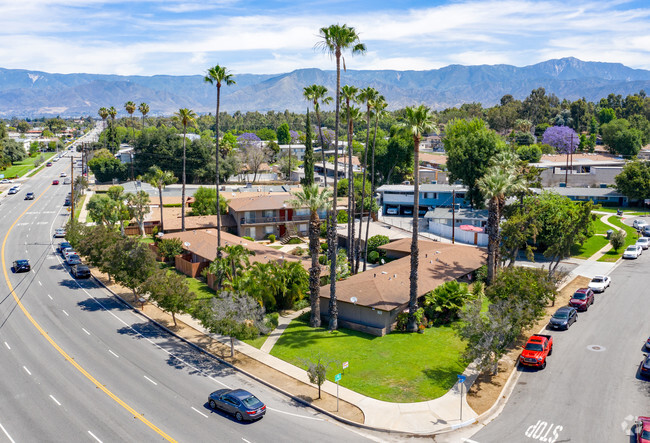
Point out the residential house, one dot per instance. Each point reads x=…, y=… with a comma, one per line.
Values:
x=601, y=195
x=586, y=169
x=468, y=224
x=371, y=301
x=398, y=199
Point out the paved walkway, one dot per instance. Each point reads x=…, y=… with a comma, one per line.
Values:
x=283, y=322
x=602, y=251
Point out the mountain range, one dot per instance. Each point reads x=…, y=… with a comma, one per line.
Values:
x=25, y=93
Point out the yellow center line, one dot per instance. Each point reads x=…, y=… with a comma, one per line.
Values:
x=57, y=347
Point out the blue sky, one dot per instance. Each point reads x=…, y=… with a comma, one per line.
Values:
x=185, y=37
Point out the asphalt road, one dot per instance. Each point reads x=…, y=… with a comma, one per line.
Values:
x=77, y=365
x=591, y=390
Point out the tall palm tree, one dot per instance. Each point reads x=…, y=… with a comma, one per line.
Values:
x=318, y=94
x=130, y=108
x=418, y=122
x=500, y=181
x=185, y=117
x=349, y=95
x=218, y=75
x=159, y=179
x=314, y=199
x=379, y=106
x=144, y=110
x=112, y=112
x=103, y=113
x=334, y=40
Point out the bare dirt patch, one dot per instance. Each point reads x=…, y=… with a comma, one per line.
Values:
x=305, y=392
x=486, y=389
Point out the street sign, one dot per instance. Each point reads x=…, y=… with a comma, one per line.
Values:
x=345, y=365
x=461, y=378
x=337, y=377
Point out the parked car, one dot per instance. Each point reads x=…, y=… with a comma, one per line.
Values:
x=66, y=181
x=644, y=242
x=639, y=223
x=5, y=181
x=73, y=259
x=13, y=191
x=582, y=299
x=56, y=182
x=563, y=318
x=21, y=266
x=645, y=366
x=238, y=402
x=633, y=251
x=599, y=283
x=59, y=233
x=63, y=174
x=63, y=245
x=646, y=231
x=642, y=429
x=67, y=251
x=538, y=347
x=389, y=211
x=647, y=344
x=67, y=202
x=29, y=196
x=80, y=271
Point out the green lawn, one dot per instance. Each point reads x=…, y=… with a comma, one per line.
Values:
x=398, y=367
x=18, y=169
x=630, y=239
x=592, y=245
x=599, y=227
x=201, y=289
x=80, y=204
x=257, y=342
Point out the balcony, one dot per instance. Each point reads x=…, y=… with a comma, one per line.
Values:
x=268, y=220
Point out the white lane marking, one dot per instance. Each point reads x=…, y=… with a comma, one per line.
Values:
x=51, y=296
x=465, y=440
x=151, y=379
x=295, y=415
x=84, y=329
x=7, y=345
x=199, y=412
x=114, y=353
x=41, y=223
x=243, y=437
x=93, y=435
x=27, y=370
x=5, y=431
x=65, y=312
x=55, y=400
x=41, y=284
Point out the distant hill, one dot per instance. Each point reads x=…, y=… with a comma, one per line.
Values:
x=32, y=93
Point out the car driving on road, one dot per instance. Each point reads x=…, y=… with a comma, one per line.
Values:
x=29, y=196
x=582, y=299
x=13, y=190
x=563, y=318
x=59, y=233
x=238, y=402
x=21, y=266
x=599, y=283
x=55, y=182
x=633, y=251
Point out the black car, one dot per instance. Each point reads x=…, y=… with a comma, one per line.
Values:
x=29, y=196
x=80, y=271
x=21, y=266
x=238, y=402
x=563, y=318
x=645, y=367
x=62, y=246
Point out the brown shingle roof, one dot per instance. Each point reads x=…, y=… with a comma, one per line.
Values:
x=387, y=287
x=173, y=219
x=261, y=202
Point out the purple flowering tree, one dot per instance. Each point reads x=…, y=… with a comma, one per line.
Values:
x=565, y=140
x=295, y=137
x=248, y=139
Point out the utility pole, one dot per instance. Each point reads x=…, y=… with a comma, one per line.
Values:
x=453, y=216
x=72, y=185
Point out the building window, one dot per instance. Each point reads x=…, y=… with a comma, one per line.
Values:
x=302, y=212
x=460, y=195
x=250, y=232
x=432, y=195
x=302, y=227
x=268, y=230
x=249, y=216
x=268, y=214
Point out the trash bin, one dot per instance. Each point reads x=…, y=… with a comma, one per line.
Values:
x=609, y=233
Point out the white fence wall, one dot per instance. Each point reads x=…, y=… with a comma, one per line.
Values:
x=477, y=238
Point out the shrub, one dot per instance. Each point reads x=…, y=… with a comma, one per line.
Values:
x=445, y=302
x=322, y=259
x=323, y=230
x=248, y=238
x=617, y=240
x=293, y=241
x=402, y=320
x=271, y=238
x=298, y=251
x=373, y=257
x=481, y=274
x=342, y=217
x=301, y=304
x=170, y=248
x=324, y=246
x=272, y=320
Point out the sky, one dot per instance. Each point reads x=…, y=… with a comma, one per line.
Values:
x=149, y=37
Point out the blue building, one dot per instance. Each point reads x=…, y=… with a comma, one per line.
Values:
x=398, y=199
x=602, y=195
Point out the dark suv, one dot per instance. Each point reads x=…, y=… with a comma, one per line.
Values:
x=21, y=266
x=80, y=271
x=582, y=299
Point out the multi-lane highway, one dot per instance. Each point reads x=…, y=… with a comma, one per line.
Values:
x=77, y=365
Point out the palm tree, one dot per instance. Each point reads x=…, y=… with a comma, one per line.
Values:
x=418, y=122
x=501, y=181
x=318, y=94
x=217, y=75
x=103, y=113
x=379, y=104
x=334, y=40
x=185, y=117
x=112, y=112
x=349, y=94
x=144, y=110
x=130, y=108
x=368, y=96
x=314, y=199
x=158, y=178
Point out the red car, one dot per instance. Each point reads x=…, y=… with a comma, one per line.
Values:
x=55, y=182
x=582, y=299
x=538, y=347
x=48, y=164
x=643, y=430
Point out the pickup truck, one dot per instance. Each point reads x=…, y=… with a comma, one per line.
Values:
x=538, y=347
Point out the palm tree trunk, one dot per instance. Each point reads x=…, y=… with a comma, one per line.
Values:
x=333, y=243
x=216, y=127
x=412, y=325
x=363, y=194
x=372, y=190
x=162, y=225
x=493, y=244
x=314, y=271
x=322, y=142
x=350, y=195
x=183, y=190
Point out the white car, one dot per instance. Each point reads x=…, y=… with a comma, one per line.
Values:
x=63, y=174
x=60, y=232
x=599, y=283
x=644, y=242
x=639, y=223
x=4, y=181
x=633, y=251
